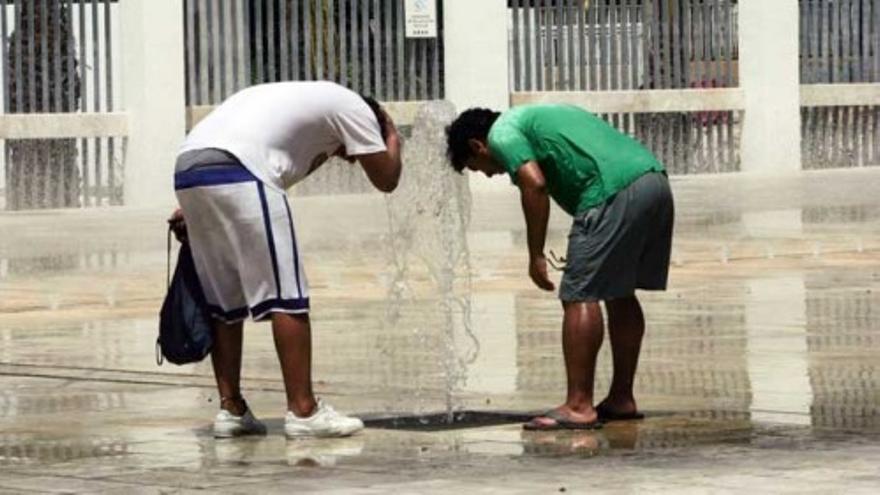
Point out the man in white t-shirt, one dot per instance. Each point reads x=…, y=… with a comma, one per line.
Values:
x=231, y=178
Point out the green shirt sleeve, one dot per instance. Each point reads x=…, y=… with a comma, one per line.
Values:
x=510, y=147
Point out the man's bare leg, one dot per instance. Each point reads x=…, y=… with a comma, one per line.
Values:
x=293, y=342
x=226, y=360
x=582, y=333
x=626, y=328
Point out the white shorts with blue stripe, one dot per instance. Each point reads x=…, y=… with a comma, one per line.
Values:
x=243, y=243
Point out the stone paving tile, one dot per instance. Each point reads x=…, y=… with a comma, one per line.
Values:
x=58, y=484
x=183, y=479
x=153, y=490
x=17, y=491
x=759, y=373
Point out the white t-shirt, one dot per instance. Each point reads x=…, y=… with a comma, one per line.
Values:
x=281, y=131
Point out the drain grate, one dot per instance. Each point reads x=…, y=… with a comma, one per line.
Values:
x=441, y=421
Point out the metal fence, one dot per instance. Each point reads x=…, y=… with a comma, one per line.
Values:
x=607, y=45
x=561, y=45
x=231, y=44
x=58, y=57
x=840, y=43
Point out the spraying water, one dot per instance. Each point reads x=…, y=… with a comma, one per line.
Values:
x=429, y=261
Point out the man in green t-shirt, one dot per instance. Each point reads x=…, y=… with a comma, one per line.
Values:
x=620, y=239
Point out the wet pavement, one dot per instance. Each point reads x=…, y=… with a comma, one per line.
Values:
x=760, y=369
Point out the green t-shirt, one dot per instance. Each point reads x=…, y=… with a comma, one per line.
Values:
x=585, y=161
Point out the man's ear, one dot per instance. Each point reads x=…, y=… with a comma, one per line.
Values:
x=477, y=147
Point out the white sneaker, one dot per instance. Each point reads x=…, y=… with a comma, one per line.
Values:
x=228, y=425
x=324, y=422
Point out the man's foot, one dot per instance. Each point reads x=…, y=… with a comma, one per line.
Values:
x=228, y=425
x=324, y=422
x=618, y=411
x=563, y=418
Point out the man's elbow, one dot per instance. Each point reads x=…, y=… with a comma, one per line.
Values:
x=534, y=188
x=389, y=185
x=392, y=180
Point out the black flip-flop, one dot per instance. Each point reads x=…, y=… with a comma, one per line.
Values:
x=560, y=422
x=606, y=414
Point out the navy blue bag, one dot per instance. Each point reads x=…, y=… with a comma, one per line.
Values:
x=186, y=334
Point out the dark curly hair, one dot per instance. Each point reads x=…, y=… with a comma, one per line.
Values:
x=473, y=123
x=377, y=111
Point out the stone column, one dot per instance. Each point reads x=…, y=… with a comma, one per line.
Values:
x=475, y=41
x=153, y=87
x=770, y=77
x=475, y=34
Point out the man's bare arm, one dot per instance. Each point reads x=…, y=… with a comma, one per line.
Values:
x=536, y=208
x=383, y=168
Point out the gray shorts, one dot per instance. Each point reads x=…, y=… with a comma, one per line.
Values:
x=622, y=245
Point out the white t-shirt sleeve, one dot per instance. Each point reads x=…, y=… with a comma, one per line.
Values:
x=358, y=129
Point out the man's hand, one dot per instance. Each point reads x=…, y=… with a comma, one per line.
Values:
x=538, y=273
x=178, y=225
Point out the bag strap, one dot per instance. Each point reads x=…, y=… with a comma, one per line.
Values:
x=168, y=261
x=159, y=357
